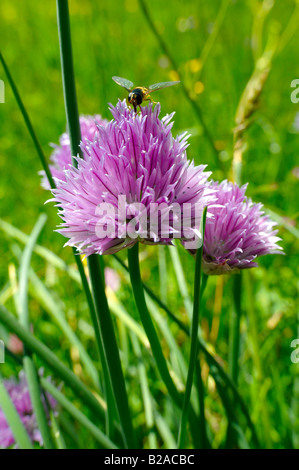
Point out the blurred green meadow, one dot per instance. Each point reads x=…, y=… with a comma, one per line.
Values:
x=213, y=47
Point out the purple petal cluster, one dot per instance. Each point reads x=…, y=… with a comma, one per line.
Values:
x=61, y=157
x=238, y=232
x=19, y=394
x=134, y=157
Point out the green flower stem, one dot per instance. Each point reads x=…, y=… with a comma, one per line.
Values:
x=13, y=419
x=111, y=414
x=28, y=362
x=233, y=356
x=68, y=77
x=156, y=299
x=151, y=333
x=137, y=287
x=72, y=116
x=194, y=340
x=111, y=350
x=234, y=329
x=41, y=350
x=28, y=122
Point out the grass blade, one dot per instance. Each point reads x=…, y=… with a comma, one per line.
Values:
x=43, y=252
x=45, y=298
x=146, y=395
x=28, y=362
x=78, y=415
x=41, y=350
x=27, y=122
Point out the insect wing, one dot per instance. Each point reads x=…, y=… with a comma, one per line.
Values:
x=159, y=86
x=124, y=83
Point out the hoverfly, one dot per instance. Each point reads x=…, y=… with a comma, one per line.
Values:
x=140, y=93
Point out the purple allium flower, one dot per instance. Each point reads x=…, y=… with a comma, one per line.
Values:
x=238, y=233
x=133, y=172
x=61, y=157
x=19, y=394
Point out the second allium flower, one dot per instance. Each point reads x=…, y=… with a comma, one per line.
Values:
x=134, y=161
x=238, y=232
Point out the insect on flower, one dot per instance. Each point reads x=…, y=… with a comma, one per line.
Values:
x=140, y=93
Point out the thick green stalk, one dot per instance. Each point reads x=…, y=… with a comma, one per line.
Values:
x=194, y=339
x=151, y=333
x=137, y=287
x=111, y=350
x=234, y=347
x=68, y=77
x=72, y=116
x=234, y=329
x=111, y=414
x=155, y=298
